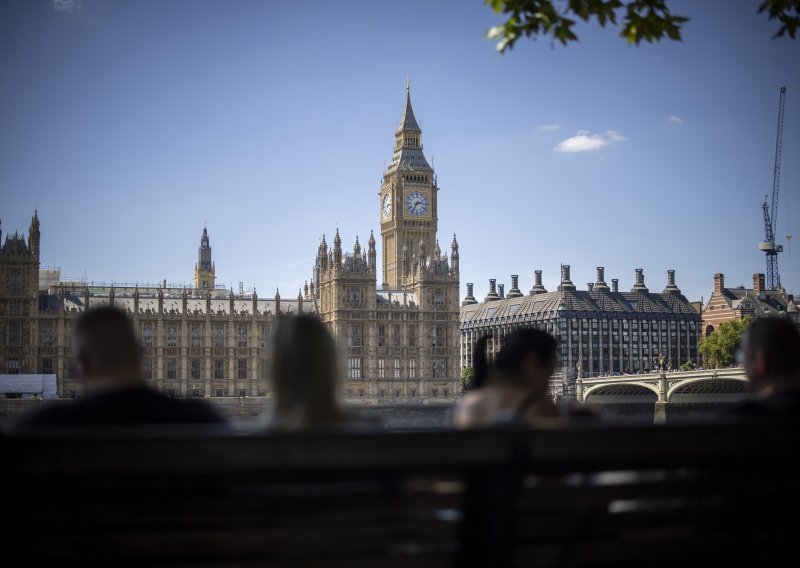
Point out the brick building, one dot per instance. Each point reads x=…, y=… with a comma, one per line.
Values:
x=727, y=304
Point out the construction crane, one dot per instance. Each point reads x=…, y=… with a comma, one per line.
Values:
x=771, y=214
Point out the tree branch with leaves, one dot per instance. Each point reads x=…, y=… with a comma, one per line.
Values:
x=640, y=20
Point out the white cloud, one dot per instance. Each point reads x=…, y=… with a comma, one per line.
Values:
x=581, y=143
x=614, y=136
x=548, y=127
x=675, y=119
x=584, y=141
x=67, y=5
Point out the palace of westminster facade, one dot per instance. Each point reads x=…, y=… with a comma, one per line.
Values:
x=399, y=339
x=403, y=339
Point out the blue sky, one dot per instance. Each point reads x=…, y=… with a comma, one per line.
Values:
x=127, y=124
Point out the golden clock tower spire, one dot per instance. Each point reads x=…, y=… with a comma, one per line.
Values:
x=407, y=199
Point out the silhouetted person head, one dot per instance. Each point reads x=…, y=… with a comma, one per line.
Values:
x=528, y=357
x=304, y=374
x=108, y=353
x=770, y=352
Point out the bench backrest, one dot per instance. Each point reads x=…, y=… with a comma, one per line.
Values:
x=561, y=497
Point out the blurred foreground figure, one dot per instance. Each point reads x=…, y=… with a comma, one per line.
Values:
x=109, y=364
x=305, y=374
x=515, y=388
x=770, y=354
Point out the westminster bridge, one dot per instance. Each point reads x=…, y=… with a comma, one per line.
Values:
x=681, y=394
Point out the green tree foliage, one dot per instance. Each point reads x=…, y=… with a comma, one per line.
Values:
x=719, y=348
x=688, y=366
x=466, y=378
x=640, y=20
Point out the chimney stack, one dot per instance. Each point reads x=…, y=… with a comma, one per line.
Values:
x=590, y=286
x=759, y=283
x=719, y=282
x=639, y=286
x=492, y=295
x=537, y=283
x=501, y=291
x=601, y=280
x=671, y=286
x=615, y=284
x=514, y=292
x=469, y=299
x=566, y=283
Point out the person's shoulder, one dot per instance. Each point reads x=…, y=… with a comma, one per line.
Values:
x=52, y=414
x=190, y=410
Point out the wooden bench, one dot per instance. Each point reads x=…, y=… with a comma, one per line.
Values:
x=634, y=496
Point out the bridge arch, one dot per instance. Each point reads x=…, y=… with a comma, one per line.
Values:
x=733, y=388
x=632, y=392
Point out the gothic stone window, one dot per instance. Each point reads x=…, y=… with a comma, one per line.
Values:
x=354, y=337
x=412, y=368
x=354, y=368
x=219, y=368
x=147, y=334
x=147, y=368
x=438, y=337
x=219, y=392
x=219, y=335
x=354, y=296
x=412, y=335
x=46, y=334
x=172, y=336
x=242, y=369
x=381, y=335
x=242, y=336
x=396, y=335
x=197, y=335
x=172, y=369
x=439, y=368
x=15, y=332
x=438, y=298
x=195, y=370
x=47, y=366
x=15, y=282
x=396, y=368
x=381, y=368
x=264, y=335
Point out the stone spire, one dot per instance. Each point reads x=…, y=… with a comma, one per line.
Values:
x=408, y=122
x=454, y=256
x=371, y=254
x=408, y=142
x=204, y=270
x=34, y=235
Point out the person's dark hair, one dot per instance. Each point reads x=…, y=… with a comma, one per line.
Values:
x=106, y=340
x=520, y=344
x=779, y=340
x=517, y=345
x=305, y=372
x=480, y=364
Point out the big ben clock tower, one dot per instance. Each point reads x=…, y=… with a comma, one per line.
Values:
x=408, y=207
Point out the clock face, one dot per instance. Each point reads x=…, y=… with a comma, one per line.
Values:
x=387, y=205
x=417, y=203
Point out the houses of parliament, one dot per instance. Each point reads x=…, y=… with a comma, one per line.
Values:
x=399, y=336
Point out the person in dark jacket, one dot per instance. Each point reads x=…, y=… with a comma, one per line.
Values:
x=114, y=392
x=770, y=355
